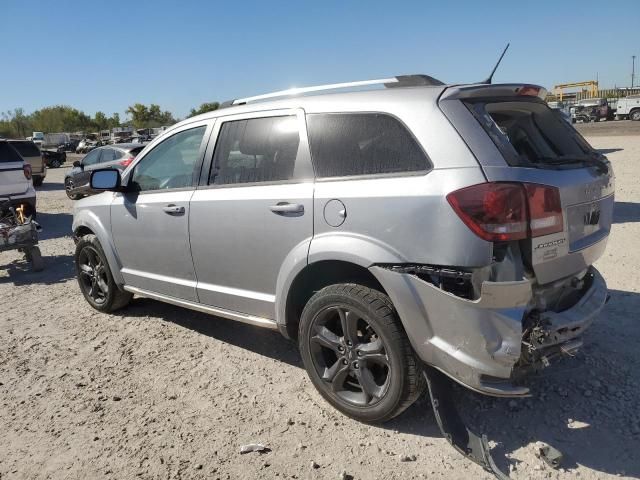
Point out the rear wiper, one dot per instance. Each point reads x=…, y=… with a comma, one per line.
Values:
x=591, y=161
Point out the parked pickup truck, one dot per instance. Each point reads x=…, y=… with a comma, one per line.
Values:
x=628, y=107
x=591, y=110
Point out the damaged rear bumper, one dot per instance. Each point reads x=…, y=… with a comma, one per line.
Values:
x=482, y=343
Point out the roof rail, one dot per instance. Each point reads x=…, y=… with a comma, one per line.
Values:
x=392, y=82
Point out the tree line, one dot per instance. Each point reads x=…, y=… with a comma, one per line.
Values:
x=63, y=118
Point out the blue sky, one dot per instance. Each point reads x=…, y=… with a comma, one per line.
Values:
x=106, y=55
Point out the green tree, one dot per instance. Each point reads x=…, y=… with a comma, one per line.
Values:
x=149, y=117
x=100, y=120
x=204, y=108
x=114, y=120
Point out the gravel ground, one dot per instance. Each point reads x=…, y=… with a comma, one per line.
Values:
x=161, y=392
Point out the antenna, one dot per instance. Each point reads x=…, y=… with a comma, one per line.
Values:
x=490, y=77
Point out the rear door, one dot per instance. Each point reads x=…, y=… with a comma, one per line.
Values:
x=253, y=210
x=525, y=142
x=12, y=179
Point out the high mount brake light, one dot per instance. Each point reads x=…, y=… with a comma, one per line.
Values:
x=529, y=90
x=126, y=162
x=503, y=211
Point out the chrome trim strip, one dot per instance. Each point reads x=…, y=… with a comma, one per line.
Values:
x=237, y=292
x=220, y=312
x=159, y=278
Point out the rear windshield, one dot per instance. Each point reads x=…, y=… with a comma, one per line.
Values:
x=528, y=132
x=8, y=153
x=26, y=149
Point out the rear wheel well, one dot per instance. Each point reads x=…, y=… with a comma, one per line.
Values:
x=315, y=277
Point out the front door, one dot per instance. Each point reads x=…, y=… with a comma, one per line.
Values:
x=150, y=224
x=253, y=211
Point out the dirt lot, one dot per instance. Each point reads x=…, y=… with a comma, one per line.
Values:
x=161, y=392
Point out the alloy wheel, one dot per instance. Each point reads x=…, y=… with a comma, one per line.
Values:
x=349, y=356
x=93, y=275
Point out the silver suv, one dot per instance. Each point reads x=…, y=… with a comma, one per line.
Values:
x=401, y=224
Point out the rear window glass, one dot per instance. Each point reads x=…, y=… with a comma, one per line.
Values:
x=26, y=149
x=528, y=133
x=8, y=153
x=135, y=151
x=362, y=144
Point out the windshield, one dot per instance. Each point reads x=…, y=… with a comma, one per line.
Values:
x=528, y=133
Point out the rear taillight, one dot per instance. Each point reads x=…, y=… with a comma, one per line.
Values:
x=45, y=160
x=502, y=212
x=126, y=162
x=26, y=169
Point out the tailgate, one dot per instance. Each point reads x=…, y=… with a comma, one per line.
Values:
x=12, y=179
x=516, y=137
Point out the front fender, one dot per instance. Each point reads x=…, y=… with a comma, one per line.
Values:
x=101, y=228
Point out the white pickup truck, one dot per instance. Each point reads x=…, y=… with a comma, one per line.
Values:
x=628, y=107
x=15, y=178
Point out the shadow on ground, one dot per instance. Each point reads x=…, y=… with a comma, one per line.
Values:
x=50, y=186
x=57, y=269
x=625, y=212
x=54, y=225
x=264, y=342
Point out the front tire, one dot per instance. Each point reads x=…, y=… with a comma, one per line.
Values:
x=55, y=163
x=68, y=187
x=635, y=115
x=357, y=354
x=95, y=278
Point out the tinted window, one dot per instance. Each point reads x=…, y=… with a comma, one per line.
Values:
x=135, y=151
x=362, y=144
x=26, y=149
x=256, y=150
x=171, y=163
x=8, y=153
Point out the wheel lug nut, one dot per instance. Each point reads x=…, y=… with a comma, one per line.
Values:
x=359, y=353
x=344, y=361
x=355, y=365
x=349, y=343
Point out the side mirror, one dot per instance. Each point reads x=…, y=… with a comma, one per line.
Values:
x=105, y=179
x=77, y=164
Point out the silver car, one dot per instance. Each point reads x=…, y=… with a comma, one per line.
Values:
x=402, y=224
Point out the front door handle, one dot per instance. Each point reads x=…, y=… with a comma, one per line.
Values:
x=285, y=208
x=172, y=209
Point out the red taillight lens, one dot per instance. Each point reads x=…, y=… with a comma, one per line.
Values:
x=502, y=212
x=545, y=210
x=26, y=169
x=126, y=162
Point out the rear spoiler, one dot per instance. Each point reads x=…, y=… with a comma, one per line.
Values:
x=482, y=90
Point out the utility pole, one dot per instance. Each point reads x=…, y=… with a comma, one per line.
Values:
x=633, y=69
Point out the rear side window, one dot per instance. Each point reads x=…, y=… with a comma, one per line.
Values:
x=26, y=149
x=256, y=150
x=108, y=155
x=8, y=153
x=362, y=144
x=135, y=151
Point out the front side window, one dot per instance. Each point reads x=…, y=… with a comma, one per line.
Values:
x=362, y=144
x=256, y=150
x=171, y=163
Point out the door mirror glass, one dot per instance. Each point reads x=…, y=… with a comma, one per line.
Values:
x=77, y=164
x=106, y=179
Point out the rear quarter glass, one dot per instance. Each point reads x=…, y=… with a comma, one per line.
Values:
x=8, y=153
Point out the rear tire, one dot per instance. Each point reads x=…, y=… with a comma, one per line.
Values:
x=55, y=163
x=95, y=278
x=357, y=354
x=37, y=181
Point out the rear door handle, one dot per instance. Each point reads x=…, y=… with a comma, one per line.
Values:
x=285, y=208
x=172, y=209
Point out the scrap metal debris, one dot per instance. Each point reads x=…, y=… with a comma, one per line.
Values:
x=254, y=447
x=550, y=455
